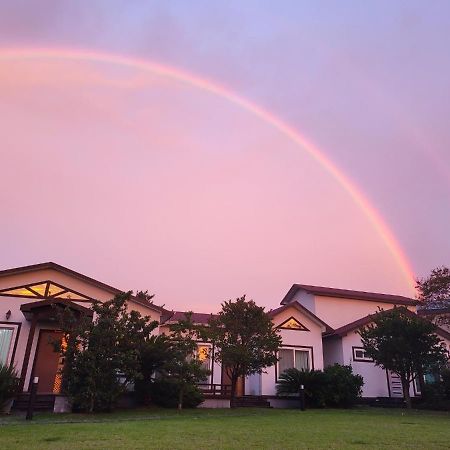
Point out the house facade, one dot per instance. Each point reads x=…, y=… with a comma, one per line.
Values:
x=29, y=298
x=318, y=326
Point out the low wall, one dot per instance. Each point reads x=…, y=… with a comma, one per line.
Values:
x=215, y=403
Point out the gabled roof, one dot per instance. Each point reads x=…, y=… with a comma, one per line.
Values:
x=433, y=312
x=170, y=317
x=274, y=312
x=77, y=275
x=346, y=293
x=29, y=307
x=363, y=321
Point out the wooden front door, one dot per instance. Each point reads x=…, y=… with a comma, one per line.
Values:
x=47, y=360
x=240, y=385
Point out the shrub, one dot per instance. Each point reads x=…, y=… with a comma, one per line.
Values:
x=335, y=386
x=164, y=392
x=343, y=387
x=313, y=381
x=436, y=395
x=9, y=383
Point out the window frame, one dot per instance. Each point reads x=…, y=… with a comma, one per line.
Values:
x=355, y=358
x=209, y=378
x=305, y=348
x=15, y=326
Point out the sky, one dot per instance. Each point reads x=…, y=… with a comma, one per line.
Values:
x=147, y=165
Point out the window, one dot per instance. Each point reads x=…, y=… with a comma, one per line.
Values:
x=292, y=324
x=294, y=358
x=6, y=335
x=359, y=354
x=203, y=354
x=44, y=289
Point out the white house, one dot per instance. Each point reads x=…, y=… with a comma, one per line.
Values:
x=345, y=312
x=318, y=327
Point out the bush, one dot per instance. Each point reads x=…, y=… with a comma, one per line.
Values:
x=343, y=387
x=336, y=386
x=436, y=395
x=9, y=384
x=164, y=392
x=313, y=381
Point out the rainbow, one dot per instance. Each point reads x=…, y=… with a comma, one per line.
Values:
x=358, y=197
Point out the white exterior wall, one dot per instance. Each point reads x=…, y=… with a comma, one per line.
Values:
x=253, y=384
x=13, y=304
x=332, y=351
x=375, y=380
x=337, y=312
x=307, y=340
x=305, y=299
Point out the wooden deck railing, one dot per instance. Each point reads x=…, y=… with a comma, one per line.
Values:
x=215, y=390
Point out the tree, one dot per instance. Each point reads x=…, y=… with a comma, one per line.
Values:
x=103, y=355
x=434, y=291
x=184, y=367
x=244, y=338
x=153, y=356
x=400, y=341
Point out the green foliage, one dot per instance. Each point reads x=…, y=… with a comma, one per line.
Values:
x=336, y=386
x=343, y=387
x=437, y=395
x=166, y=392
x=102, y=356
x=434, y=290
x=9, y=383
x=244, y=338
x=314, y=382
x=154, y=354
x=184, y=368
x=405, y=344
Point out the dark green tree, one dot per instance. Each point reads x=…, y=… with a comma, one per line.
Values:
x=434, y=292
x=405, y=344
x=184, y=367
x=154, y=355
x=103, y=355
x=244, y=338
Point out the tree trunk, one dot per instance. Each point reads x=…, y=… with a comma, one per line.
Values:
x=180, y=399
x=233, y=390
x=405, y=387
x=421, y=381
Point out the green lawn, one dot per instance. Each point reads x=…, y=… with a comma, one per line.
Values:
x=239, y=428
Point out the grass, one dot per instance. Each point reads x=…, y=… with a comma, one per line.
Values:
x=227, y=429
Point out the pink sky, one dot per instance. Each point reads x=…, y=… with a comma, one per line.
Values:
x=145, y=182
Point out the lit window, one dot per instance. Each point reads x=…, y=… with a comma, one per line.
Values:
x=203, y=354
x=292, y=324
x=43, y=290
x=359, y=354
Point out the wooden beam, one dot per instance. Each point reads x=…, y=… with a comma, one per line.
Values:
x=26, y=358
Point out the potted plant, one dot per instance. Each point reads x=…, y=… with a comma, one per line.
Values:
x=9, y=384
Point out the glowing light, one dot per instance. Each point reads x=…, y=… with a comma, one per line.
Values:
x=166, y=71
